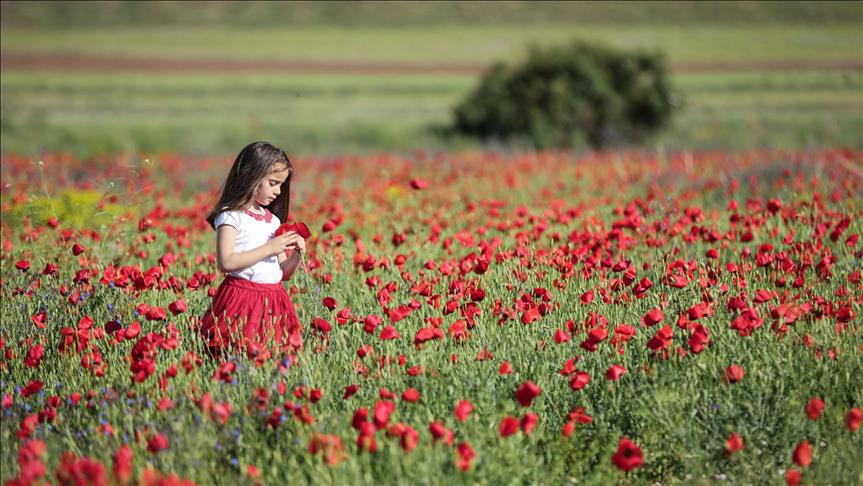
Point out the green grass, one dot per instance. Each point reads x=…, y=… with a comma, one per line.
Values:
x=421, y=14
x=91, y=112
x=87, y=113
x=481, y=44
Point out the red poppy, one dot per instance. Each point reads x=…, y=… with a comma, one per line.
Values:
x=75, y=470
x=814, y=408
x=328, y=445
x=350, y=390
x=508, y=426
x=383, y=410
x=530, y=315
x=399, y=313
x=32, y=388
x=568, y=367
x=615, y=372
x=560, y=336
x=321, y=325
x=40, y=319
x=802, y=455
x=528, y=422
x=389, y=333
x=34, y=356
x=343, y=316
x=27, y=426
x=653, y=317
x=628, y=455
x=463, y=410
x=505, y=368
x=733, y=444
x=579, y=380
x=157, y=443
x=853, y=419
x=661, y=339
x=408, y=439
x=733, y=374
x=371, y=322
x=440, y=433
x=132, y=331
x=361, y=415
x=299, y=228
x=466, y=455
x=178, y=307
x=793, y=477
x=123, y=464
x=330, y=303
x=579, y=415
x=156, y=314
x=526, y=392
x=411, y=395
x=419, y=184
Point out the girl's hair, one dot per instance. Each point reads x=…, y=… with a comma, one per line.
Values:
x=253, y=163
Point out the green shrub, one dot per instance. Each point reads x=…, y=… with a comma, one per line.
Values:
x=561, y=96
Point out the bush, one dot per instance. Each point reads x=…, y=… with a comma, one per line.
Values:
x=563, y=95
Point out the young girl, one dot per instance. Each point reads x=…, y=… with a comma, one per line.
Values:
x=251, y=307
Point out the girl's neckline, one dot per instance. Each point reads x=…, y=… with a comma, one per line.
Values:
x=266, y=217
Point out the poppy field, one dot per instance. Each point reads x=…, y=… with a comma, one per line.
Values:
x=468, y=317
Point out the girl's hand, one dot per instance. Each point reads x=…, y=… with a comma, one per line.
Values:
x=279, y=244
x=297, y=242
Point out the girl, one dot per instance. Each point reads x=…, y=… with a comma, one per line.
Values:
x=251, y=307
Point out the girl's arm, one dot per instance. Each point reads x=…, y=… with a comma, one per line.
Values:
x=289, y=264
x=229, y=261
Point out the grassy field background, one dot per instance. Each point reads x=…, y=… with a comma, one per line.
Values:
x=762, y=80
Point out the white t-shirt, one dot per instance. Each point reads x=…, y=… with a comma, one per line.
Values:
x=252, y=232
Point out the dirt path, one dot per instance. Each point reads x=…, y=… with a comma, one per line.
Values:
x=16, y=61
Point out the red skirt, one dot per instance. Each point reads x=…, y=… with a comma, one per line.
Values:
x=245, y=312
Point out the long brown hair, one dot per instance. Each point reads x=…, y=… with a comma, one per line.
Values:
x=252, y=164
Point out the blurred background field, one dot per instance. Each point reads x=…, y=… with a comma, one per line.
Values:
x=336, y=77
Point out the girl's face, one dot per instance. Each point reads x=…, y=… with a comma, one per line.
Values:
x=271, y=185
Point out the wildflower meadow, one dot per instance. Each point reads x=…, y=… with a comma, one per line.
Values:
x=469, y=317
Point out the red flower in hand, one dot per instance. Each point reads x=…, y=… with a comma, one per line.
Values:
x=299, y=228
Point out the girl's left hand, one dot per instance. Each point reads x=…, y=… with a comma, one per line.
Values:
x=296, y=242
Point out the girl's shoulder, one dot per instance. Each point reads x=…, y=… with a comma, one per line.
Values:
x=229, y=217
